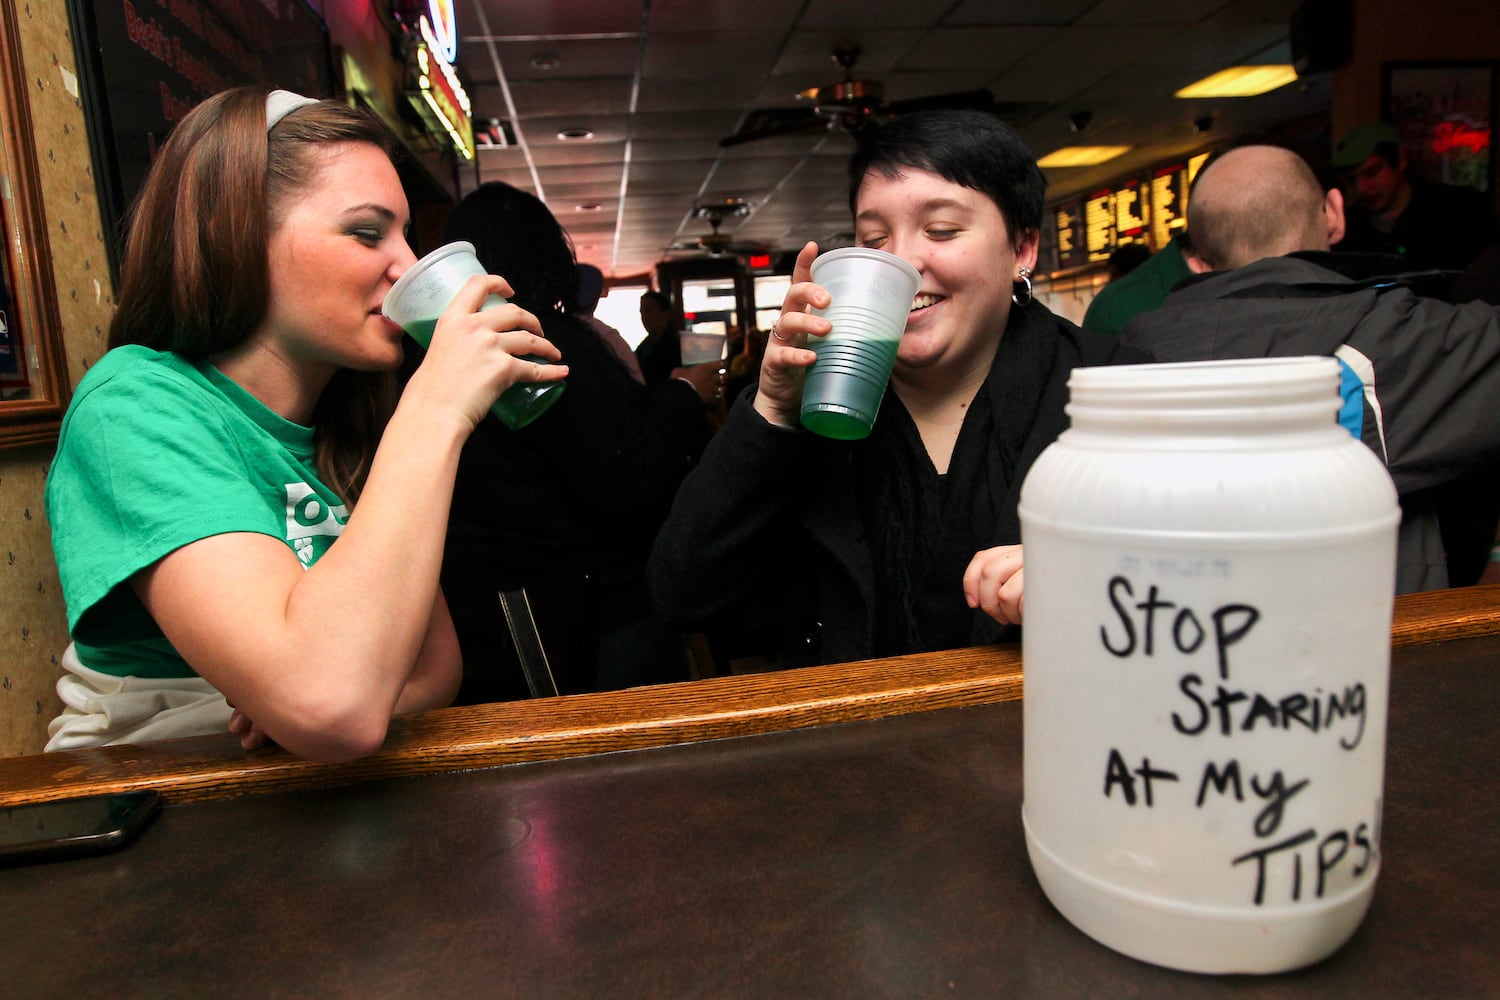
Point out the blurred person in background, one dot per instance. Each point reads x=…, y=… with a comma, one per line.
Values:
x=1144, y=287
x=590, y=287
x=566, y=507
x=1428, y=224
x=660, y=354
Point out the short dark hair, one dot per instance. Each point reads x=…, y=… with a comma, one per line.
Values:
x=1128, y=257
x=1390, y=152
x=589, y=288
x=970, y=148
x=517, y=237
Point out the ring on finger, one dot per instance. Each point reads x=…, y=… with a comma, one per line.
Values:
x=784, y=340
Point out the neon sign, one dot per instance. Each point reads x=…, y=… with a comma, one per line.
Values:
x=1448, y=136
x=433, y=88
x=444, y=29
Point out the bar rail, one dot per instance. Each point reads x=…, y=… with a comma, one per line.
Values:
x=477, y=736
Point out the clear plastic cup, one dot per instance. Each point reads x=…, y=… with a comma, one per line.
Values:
x=421, y=294
x=701, y=348
x=870, y=293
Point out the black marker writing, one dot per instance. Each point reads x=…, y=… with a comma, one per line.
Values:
x=1231, y=623
x=1244, y=711
x=1118, y=773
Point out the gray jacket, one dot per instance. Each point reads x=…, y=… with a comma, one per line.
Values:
x=1421, y=377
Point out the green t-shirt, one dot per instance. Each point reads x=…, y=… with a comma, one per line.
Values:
x=157, y=452
x=1141, y=290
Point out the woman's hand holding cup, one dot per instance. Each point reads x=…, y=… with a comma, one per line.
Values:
x=477, y=350
x=778, y=395
x=448, y=289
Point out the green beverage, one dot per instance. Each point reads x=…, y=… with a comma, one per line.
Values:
x=521, y=403
x=870, y=293
x=419, y=297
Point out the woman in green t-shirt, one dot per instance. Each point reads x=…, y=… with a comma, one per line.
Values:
x=243, y=421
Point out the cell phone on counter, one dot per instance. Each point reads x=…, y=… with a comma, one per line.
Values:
x=44, y=831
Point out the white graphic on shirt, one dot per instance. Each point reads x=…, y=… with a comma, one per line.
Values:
x=307, y=516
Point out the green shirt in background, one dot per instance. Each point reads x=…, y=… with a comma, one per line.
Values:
x=1144, y=288
x=157, y=452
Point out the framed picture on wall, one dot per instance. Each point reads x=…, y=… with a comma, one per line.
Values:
x=142, y=66
x=1445, y=112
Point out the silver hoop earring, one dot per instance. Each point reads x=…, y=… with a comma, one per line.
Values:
x=1021, y=293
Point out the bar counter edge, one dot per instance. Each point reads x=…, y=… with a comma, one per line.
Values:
x=477, y=736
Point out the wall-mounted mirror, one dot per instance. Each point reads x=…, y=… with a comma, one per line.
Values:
x=33, y=373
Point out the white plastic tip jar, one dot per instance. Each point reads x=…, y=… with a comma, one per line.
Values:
x=1210, y=566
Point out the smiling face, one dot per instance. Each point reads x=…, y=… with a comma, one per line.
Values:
x=957, y=240
x=336, y=248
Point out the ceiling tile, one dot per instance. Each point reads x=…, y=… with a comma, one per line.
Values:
x=1015, y=12
x=841, y=15
x=552, y=17
x=720, y=15
x=574, y=98
x=555, y=59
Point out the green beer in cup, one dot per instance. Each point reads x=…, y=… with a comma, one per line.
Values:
x=870, y=293
x=419, y=297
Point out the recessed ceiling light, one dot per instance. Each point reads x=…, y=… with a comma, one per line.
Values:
x=545, y=61
x=1081, y=156
x=575, y=134
x=1240, y=81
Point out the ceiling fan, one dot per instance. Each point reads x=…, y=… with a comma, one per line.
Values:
x=853, y=104
x=715, y=243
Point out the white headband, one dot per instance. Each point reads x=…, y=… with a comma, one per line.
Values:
x=280, y=103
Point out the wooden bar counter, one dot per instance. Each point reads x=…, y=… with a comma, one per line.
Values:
x=851, y=830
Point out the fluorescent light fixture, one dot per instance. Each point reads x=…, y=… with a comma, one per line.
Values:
x=1081, y=156
x=1241, y=81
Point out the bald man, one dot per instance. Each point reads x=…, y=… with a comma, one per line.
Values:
x=1420, y=376
x=1259, y=201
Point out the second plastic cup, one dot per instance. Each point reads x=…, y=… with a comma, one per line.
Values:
x=701, y=348
x=871, y=293
x=419, y=297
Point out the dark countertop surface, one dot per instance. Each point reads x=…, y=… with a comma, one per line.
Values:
x=878, y=858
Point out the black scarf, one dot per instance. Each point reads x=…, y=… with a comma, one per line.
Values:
x=924, y=529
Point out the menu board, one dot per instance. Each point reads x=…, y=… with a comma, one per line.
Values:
x=1099, y=225
x=145, y=63
x=1168, y=203
x=1132, y=210
x=1147, y=210
x=1069, y=228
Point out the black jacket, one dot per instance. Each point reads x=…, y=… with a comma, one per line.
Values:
x=1443, y=227
x=566, y=507
x=768, y=528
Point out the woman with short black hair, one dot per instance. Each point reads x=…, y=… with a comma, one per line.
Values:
x=908, y=540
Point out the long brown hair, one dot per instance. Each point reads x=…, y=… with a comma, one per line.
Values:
x=196, y=277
